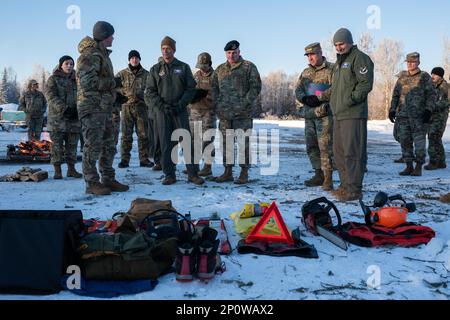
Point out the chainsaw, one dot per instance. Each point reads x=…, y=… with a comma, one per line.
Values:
x=386, y=211
x=317, y=220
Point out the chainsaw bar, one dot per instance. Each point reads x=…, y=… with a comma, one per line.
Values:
x=332, y=237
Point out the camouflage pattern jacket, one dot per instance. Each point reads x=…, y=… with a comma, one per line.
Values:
x=442, y=97
x=316, y=81
x=204, y=82
x=33, y=104
x=133, y=86
x=413, y=94
x=95, y=78
x=235, y=90
x=61, y=93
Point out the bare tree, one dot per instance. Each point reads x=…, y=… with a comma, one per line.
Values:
x=446, y=54
x=277, y=96
x=40, y=75
x=365, y=43
x=387, y=58
x=328, y=48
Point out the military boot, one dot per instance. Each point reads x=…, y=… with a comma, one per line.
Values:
x=316, y=180
x=417, y=170
x=169, y=180
x=72, y=172
x=58, y=173
x=206, y=171
x=441, y=165
x=399, y=160
x=196, y=180
x=116, y=186
x=445, y=198
x=243, y=177
x=328, y=181
x=408, y=170
x=157, y=167
x=338, y=191
x=98, y=189
x=227, y=176
x=431, y=166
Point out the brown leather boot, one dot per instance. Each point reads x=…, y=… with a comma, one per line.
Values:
x=72, y=172
x=328, y=181
x=206, y=171
x=431, y=166
x=243, y=177
x=196, y=180
x=98, y=189
x=445, y=198
x=408, y=170
x=417, y=170
x=169, y=180
x=116, y=186
x=227, y=176
x=58, y=173
x=316, y=180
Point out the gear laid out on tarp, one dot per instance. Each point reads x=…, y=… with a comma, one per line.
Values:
x=406, y=235
x=317, y=219
x=279, y=245
x=386, y=224
x=247, y=218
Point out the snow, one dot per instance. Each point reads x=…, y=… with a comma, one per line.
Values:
x=9, y=107
x=405, y=273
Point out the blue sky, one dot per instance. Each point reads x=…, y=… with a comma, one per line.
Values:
x=273, y=34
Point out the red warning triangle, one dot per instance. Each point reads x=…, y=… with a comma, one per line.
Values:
x=256, y=235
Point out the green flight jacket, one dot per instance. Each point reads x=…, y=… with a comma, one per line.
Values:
x=352, y=82
x=170, y=85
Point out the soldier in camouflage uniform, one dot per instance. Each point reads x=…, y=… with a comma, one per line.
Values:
x=438, y=121
x=412, y=105
x=201, y=110
x=313, y=91
x=236, y=87
x=135, y=111
x=96, y=85
x=34, y=104
x=63, y=123
x=169, y=90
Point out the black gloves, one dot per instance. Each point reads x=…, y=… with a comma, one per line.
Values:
x=199, y=95
x=120, y=98
x=392, y=115
x=426, y=116
x=118, y=81
x=71, y=114
x=311, y=101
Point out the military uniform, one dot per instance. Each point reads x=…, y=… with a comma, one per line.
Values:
x=134, y=113
x=95, y=80
x=201, y=112
x=63, y=123
x=169, y=90
x=352, y=82
x=316, y=81
x=412, y=97
x=234, y=91
x=34, y=104
x=438, y=124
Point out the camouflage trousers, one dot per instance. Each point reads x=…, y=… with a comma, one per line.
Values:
x=200, y=122
x=35, y=126
x=154, y=145
x=244, y=159
x=64, y=146
x=98, y=134
x=395, y=132
x=319, y=142
x=116, y=126
x=134, y=117
x=436, y=131
x=412, y=136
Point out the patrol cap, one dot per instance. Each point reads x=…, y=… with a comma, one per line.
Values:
x=313, y=48
x=412, y=56
x=232, y=45
x=204, y=60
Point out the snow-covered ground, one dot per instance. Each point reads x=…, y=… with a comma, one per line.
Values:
x=406, y=273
